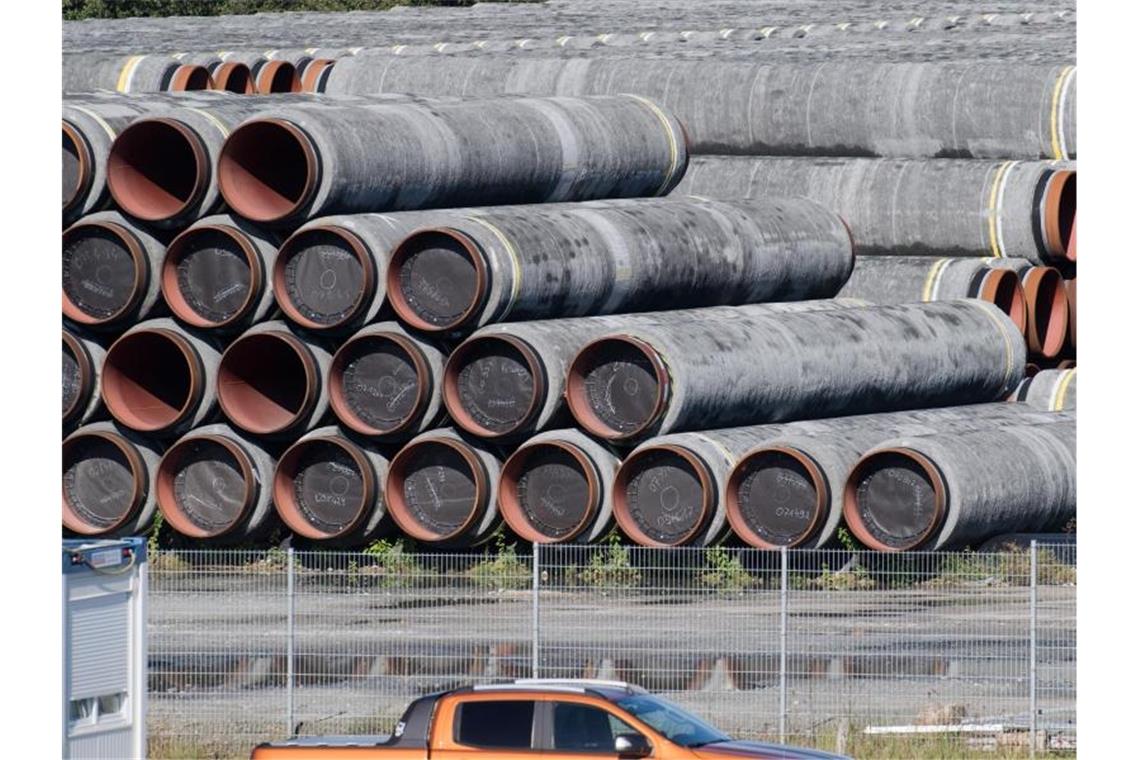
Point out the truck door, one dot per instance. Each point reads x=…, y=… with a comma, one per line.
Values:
x=500, y=728
x=579, y=731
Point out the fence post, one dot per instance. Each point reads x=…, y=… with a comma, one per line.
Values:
x=783, y=644
x=289, y=631
x=534, y=581
x=1033, y=648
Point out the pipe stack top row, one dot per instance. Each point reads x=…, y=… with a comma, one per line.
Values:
x=460, y=292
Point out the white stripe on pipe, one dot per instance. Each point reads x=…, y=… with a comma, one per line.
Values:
x=98, y=120
x=1061, y=113
x=998, y=208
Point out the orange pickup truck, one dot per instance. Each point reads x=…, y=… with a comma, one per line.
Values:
x=532, y=719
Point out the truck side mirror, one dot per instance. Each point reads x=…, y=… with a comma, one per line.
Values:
x=632, y=745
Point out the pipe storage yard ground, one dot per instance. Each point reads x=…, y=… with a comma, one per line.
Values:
x=768, y=302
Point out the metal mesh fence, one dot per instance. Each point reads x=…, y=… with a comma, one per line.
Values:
x=822, y=648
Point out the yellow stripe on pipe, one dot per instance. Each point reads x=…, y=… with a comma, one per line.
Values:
x=1055, y=114
x=127, y=72
x=516, y=264
x=932, y=276
x=674, y=150
x=985, y=307
x=993, y=208
x=212, y=119
x=1063, y=389
x=98, y=120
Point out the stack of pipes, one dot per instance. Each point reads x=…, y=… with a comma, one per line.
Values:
x=451, y=295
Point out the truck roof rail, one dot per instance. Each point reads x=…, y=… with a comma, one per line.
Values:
x=574, y=682
x=513, y=686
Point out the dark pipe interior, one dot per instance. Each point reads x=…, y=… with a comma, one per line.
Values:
x=153, y=170
x=237, y=79
x=263, y=171
x=146, y=381
x=262, y=384
x=71, y=160
x=1068, y=209
x=284, y=79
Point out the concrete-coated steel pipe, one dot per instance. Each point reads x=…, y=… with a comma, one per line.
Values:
x=272, y=381
x=509, y=380
x=226, y=76
x=556, y=488
x=1046, y=305
x=329, y=487
x=386, y=383
x=915, y=208
x=87, y=72
x=1052, y=389
x=108, y=481
x=216, y=274
x=160, y=378
x=110, y=271
x=292, y=164
x=213, y=483
x=961, y=110
x=268, y=76
x=529, y=262
x=82, y=367
x=442, y=489
x=670, y=376
x=910, y=279
x=946, y=491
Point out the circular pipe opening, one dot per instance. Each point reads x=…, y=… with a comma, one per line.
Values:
x=437, y=280
x=268, y=170
x=189, y=77
x=1031, y=369
x=157, y=169
x=379, y=384
x=233, y=77
x=494, y=385
x=77, y=162
x=1048, y=311
x=152, y=379
x=436, y=489
x=315, y=72
x=105, y=271
x=205, y=486
x=1071, y=296
x=549, y=491
x=776, y=496
x=104, y=482
x=323, y=486
x=617, y=387
x=267, y=382
x=663, y=495
x=1002, y=288
x=322, y=277
x=1060, y=215
x=278, y=76
x=211, y=276
x=894, y=500
x=78, y=376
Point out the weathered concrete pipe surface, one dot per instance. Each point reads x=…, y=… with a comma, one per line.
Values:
x=909, y=279
x=214, y=483
x=442, y=489
x=508, y=380
x=556, y=488
x=82, y=367
x=225, y=76
x=272, y=380
x=110, y=271
x=777, y=484
x=1046, y=305
x=386, y=383
x=670, y=376
x=912, y=207
x=162, y=167
x=160, y=378
x=108, y=481
x=946, y=491
x=310, y=160
x=1051, y=389
x=87, y=72
x=216, y=274
x=329, y=275
x=329, y=487
x=268, y=76
x=563, y=260
x=959, y=110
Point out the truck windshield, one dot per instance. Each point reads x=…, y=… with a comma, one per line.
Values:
x=671, y=721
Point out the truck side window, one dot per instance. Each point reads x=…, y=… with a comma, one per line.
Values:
x=582, y=727
x=503, y=724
